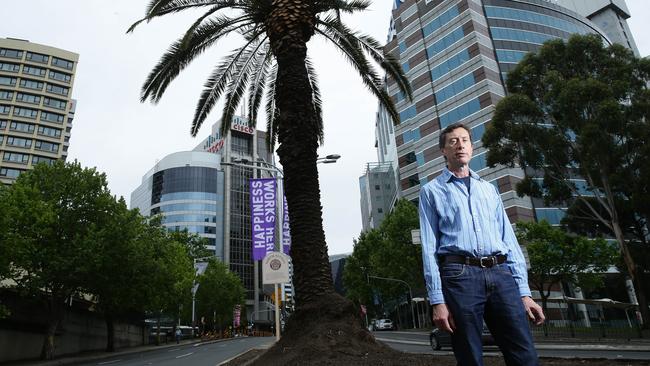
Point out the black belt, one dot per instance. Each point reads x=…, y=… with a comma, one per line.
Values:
x=483, y=262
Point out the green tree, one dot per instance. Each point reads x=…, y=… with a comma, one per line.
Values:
x=53, y=212
x=273, y=61
x=556, y=257
x=576, y=117
x=5, y=256
x=219, y=291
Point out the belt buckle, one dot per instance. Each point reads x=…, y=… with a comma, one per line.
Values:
x=490, y=264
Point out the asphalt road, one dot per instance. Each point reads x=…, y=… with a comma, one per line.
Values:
x=198, y=354
x=419, y=343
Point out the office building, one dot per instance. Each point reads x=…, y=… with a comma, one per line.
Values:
x=378, y=191
x=36, y=105
x=456, y=55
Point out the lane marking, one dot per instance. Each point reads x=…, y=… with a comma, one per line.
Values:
x=107, y=362
x=174, y=350
x=185, y=355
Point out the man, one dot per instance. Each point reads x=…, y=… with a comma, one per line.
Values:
x=473, y=265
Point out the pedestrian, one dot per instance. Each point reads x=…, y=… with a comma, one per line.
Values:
x=179, y=334
x=473, y=266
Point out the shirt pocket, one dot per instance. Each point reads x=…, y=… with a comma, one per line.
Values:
x=450, y=213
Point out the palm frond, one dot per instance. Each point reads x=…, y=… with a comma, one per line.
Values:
x=316, y=100
x=341, y=6
x=387, y=62
x=214, y=87
x=272, y=112
x=190, y=31
x=258, y=83
x=179, y=56
x=158, y=8
x=238, y=84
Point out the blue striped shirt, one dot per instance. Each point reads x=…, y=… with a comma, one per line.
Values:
x=474, y=223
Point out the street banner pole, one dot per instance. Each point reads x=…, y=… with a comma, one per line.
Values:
x=277, y=312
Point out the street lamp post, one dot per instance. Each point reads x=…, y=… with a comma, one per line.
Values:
x=407, y=285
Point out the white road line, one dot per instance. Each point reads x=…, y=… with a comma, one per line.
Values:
x=185, y=355
x=174, y=350
x=107, y=362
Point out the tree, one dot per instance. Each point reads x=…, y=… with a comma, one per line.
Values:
x=556, y=257
x=5, y=256
x=219, y=291
x=575, y=119
x=274, y=60
x=52, y=213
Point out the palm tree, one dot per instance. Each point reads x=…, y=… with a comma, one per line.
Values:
x=273, y=62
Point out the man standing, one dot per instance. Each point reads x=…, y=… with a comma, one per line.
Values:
x=473, y=265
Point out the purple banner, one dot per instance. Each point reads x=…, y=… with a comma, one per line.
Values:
x=263, y=202
x=286, y=233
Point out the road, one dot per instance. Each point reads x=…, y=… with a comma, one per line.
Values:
x=198, y=354
x=418, y=342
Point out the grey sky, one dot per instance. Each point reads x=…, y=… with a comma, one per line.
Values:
x=122, y=137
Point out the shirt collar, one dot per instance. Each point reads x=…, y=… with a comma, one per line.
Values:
x=447, y=175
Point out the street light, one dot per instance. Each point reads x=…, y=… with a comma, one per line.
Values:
x=407, y=285
x=329, y=159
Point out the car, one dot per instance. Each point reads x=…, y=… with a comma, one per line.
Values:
x=440, y=338
x=383, y=324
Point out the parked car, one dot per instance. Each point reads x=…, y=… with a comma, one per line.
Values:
x=439, y=338
x=384, y=324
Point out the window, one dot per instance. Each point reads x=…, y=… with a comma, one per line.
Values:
x=440, y=21
x=3, y=125
x=410, y=157
x=28, y=98
x=380, y=210
x=19, y=142
x=59, y=62
x=478, y=162
x=6, y=95
x=15, y=157
x=5, y=109
x=37, y=57
x=534, y=18
x=377, y=187
x=22, y=127
x=42, y=159
x=60, y=76
x=7, y=52
x=46, y=146
x=454, y=88
x=25, y=112
x=51, y=117
x=33, y=70
x=508, y=34
x=445, y=42
x=407, y=114
x=5, y=80
x=48, y=131
x=10, y=173
x=55, y=103
x=459, y=113
x=453, y=62
x=510, y=56
x=31, y=84
x=51, y=88
x=6, y=66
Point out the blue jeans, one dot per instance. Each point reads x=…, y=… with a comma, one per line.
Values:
x=473, y=294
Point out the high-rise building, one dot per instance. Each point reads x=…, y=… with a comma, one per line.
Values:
x=36, y=105
x=378, y=193
x=456, y=55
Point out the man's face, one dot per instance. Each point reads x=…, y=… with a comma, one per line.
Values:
x=458, y=148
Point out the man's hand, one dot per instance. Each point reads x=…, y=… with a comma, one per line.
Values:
x=534, y=311
x=442, y=318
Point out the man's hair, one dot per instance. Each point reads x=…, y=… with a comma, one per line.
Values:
x=448, y=129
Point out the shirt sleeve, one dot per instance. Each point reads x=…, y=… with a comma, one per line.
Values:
x=516, y=260
x=430, y=236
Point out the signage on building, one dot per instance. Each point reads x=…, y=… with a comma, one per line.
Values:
x=286, y=232
x=275, y=268
x=263, y=201
x=241, y=125
x=214, y=143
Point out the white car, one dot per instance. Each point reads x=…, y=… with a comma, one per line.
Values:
x=383, y=324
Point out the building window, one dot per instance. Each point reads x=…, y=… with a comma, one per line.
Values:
x=377, y=187
x=60, y=76
x=22, y=127
x=51, y=88
x=46, y=146
x=15, y=158
x=19, y=142
x=10, y=173
x=25, y=112
x=6, y=66
x=410, y=157
x=5, y=109
x=241, y=144
x=5, y=80
x=31, y=84
x=59, y=62
x=55, y=103
x=48, y=131
x=28, y=98
x=6, y=95
x=380, y=210
x=6, y=52
x=52, y=117
x=41, y=159
x=3, y=125
x=37, y=57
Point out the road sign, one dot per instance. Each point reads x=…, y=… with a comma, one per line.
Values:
x=275, y=268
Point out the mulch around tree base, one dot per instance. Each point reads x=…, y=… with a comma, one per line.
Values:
x=431, y=360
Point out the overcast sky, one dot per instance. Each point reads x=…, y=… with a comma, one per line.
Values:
x=122, y=137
